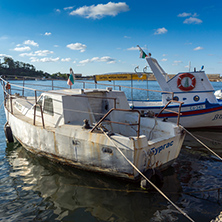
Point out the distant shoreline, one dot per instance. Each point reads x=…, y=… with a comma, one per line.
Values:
x=211, y=77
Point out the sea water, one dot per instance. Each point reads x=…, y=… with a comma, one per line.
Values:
x=32, y=188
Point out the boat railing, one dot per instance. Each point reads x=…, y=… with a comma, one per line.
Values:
x=23, y=87
x=8, y=95
x=103, y=119
x=7, y=89
x=53, y=86
x=172, y=111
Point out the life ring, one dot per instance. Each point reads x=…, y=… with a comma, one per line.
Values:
x=8, y=86
x=189, y=87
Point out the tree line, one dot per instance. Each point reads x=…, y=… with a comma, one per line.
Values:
x=13, y=69
x=9, y=67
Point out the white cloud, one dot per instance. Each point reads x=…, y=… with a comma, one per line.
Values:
x=198, y=48
x=69, y=8
x=77, y=46
x=48, y=33
x=37, y=53
x=49, y=59
x=30, y=42
x=43, y=52
x=188, y=43
x=106, y=59
x=66, y=60
x=94, y=59
x=176, y=63
x=58, y=10
x=27, y=54
x=192, y=20
x=85, y=61
x=127, y=37
x=22, y=49
x=164, y=60
x=3, y=37
x=34, y=59
x=161, y=31
x=133, y=49
x=184, y=14
x=4, y=55
x=101, y=10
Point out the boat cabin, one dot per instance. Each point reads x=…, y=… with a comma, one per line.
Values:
x=73, y=106
x=188, y=87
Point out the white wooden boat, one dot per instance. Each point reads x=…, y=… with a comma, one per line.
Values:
x=86, y=127
x=200, y=109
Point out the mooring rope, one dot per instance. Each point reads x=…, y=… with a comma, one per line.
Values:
x=216, y=141
x=1, y=104
x=180, y=210
x=203, y=144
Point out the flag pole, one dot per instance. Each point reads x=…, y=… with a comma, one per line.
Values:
x=143, y=55
x=71, y=78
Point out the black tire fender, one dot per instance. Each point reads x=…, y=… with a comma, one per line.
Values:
x=8, y=133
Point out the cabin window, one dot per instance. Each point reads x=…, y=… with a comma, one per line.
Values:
x=48, y=105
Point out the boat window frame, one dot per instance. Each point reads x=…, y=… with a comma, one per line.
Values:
x=47, y=105
x=47, y=108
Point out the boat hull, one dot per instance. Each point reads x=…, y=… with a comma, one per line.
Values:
x=202, y=115
x=78, y=147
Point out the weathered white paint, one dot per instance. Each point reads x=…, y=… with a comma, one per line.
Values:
x=64, y=139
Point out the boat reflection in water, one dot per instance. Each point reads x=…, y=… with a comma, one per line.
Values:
x=57, y=192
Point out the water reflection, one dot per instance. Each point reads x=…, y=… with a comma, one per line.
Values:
x=213, y=139
x=199, y=172
x=56, y=192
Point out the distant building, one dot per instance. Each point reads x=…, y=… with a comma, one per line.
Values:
x=78, y=75
x=211, y=77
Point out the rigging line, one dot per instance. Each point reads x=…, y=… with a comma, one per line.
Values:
x=180, y=210
x=217, y=141
x=1, y=104
x=202, y=144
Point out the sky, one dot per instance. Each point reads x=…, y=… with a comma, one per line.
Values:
x=97, y=37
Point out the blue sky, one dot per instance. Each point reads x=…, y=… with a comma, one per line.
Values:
x=96, y=37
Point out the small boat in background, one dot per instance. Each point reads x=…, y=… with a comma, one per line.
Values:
x=200, y=108
x=218, y=94
x=92, y=129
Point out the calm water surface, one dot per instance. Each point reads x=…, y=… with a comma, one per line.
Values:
x=33, y=188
